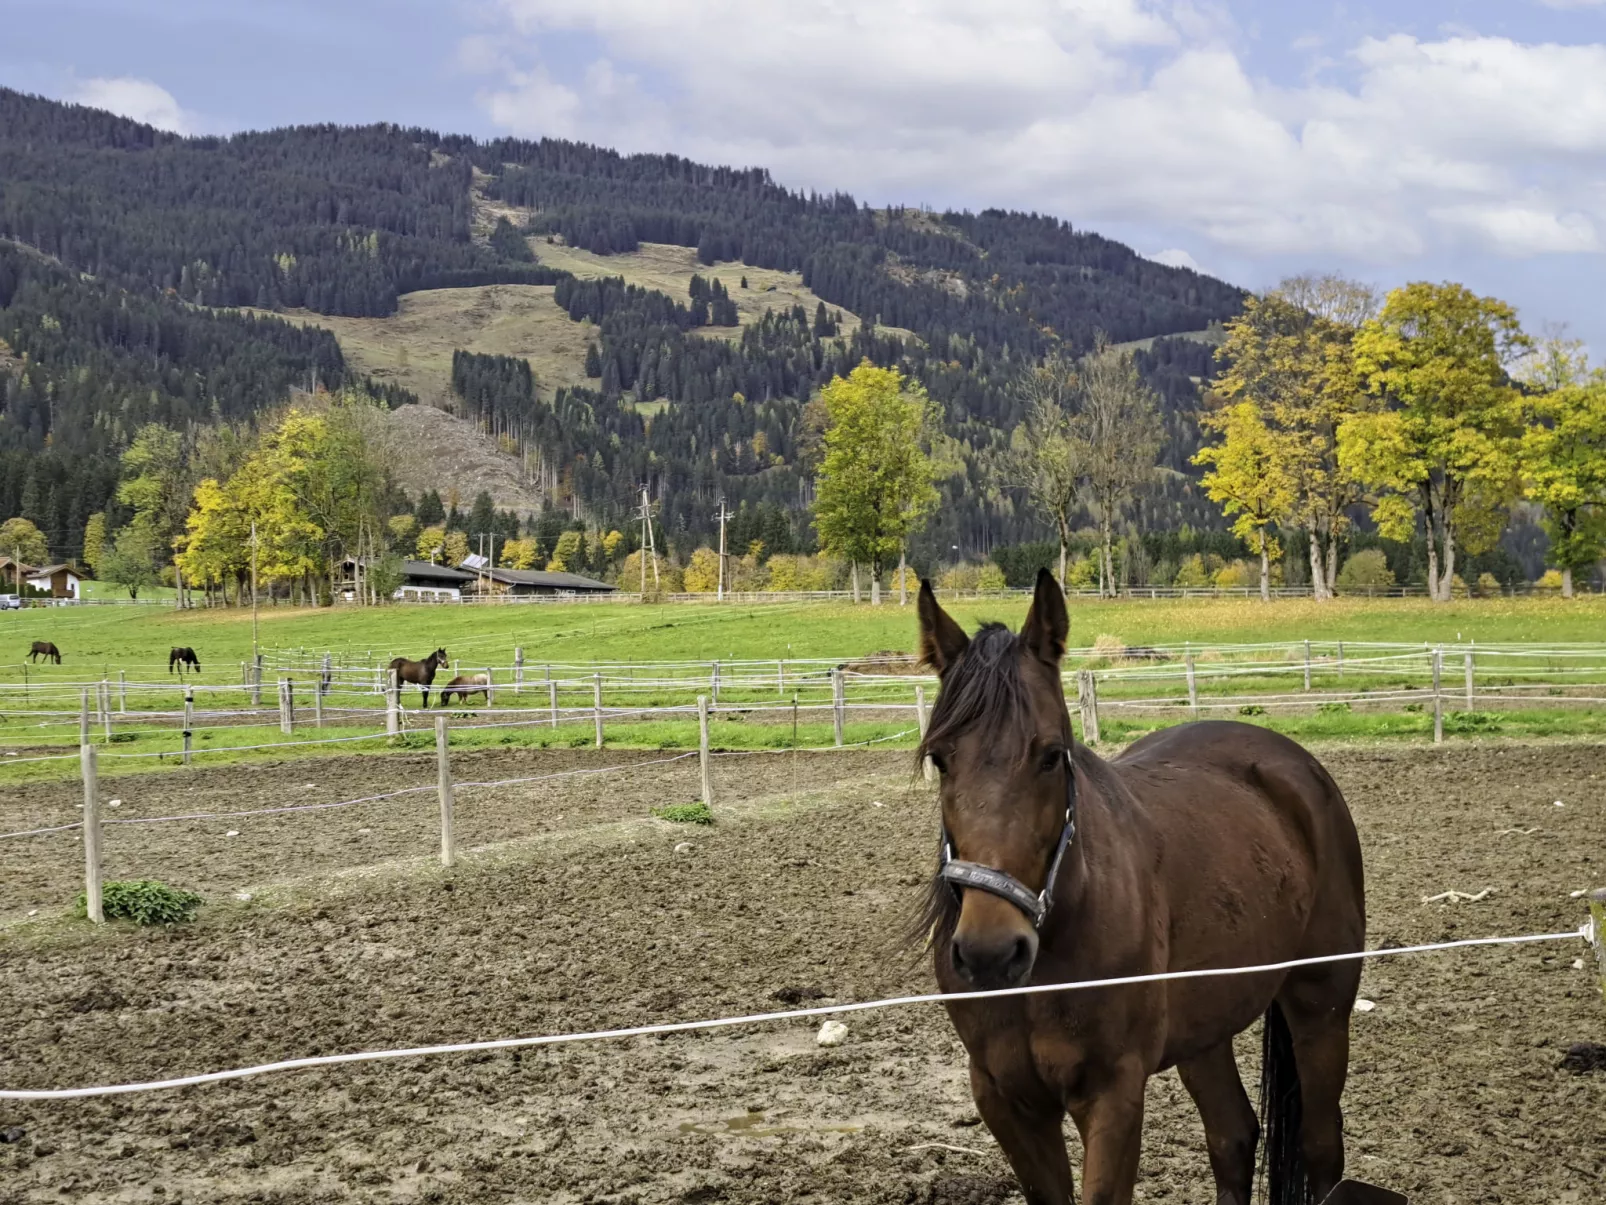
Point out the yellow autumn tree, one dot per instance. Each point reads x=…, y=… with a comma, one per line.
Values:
x=1247, y=473
x=702, y=572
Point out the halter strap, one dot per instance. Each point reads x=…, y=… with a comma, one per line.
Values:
x=1035, y=904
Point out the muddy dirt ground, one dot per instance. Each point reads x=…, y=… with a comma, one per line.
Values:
x=572, y=910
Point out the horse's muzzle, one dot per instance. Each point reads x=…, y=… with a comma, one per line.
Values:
x=994, y=960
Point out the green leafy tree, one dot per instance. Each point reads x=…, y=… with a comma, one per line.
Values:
x=22, y=541
x=1290, y=353
x=1564, y=470
x=1446, y=447
x=875, y=482
x=568, y=554
x=156, y=483
x=1046, y=459
x=95, y=540
x=1366, y=570
x=131, y=563
x=1247, y=473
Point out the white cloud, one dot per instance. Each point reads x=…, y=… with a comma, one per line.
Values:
x=139, y=99
x=1176, y=257
x=1131, y=111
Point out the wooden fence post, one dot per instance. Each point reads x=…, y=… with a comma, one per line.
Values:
x=1088, y=699
x=92, y=902
x=838, y=704
x=1307, y=665
x=326, y=677
x=552, y=698
x=1597, y=937
x=189, y=720
x=713, y=685
x=702, y=751
x=518, y=669
x=106, y=708
x=317, y=706
x=1438, y=698
x=1467, y=661
x=287, y=711
x=927, y=770
x=596, y=704
x=1340, y=660
x=780, y=678
x=443, y=767
x=392, y=705
x=256, y=681
x=1193, y=688
x=122, y=692
x=83, y=717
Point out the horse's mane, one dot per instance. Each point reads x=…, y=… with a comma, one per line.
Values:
x=984, y=686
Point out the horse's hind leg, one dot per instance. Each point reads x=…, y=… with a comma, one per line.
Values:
x=1317, y=1002
x=1032, y=1135
x=1231, y=1130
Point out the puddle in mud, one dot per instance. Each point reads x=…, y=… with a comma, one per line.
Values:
x=753, y=1125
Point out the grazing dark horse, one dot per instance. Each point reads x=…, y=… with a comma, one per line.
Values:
x=1206, y=845
x=467, y=684
x=182, y=656
x=43, y=648
x=420, y=673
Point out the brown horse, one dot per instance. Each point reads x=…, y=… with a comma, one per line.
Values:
x=467, y=684
x=1206, y=845
x=43, y=648
x=419, y=673
x=182, y=655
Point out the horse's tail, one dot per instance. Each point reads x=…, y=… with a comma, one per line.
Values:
x=1281, y=1112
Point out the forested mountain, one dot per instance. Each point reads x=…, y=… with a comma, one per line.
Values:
x=344, y=220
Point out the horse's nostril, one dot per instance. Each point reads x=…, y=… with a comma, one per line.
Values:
x=958, y=953
x=1021, y=955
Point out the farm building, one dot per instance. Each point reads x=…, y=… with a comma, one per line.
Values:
x=541, y=581
x=60, y=580
x=421, y=581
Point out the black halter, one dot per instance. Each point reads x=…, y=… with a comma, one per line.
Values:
x=1035, y=904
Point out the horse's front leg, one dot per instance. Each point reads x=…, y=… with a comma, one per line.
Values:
x=1032, y=1135
x=1111, y=1125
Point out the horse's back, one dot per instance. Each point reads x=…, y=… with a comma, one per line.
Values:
x=1250, y=818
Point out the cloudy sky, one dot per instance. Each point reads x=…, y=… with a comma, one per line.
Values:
x=1434, y=139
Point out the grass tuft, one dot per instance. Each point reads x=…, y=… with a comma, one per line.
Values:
x=143, y=901
x=685, y=813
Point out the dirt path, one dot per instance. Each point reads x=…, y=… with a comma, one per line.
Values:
x=1455, y=1093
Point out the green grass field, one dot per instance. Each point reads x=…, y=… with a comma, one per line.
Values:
x=98, y=639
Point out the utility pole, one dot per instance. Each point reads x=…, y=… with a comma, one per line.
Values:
x=650, y=548
x=722, y=516
x=253, y=590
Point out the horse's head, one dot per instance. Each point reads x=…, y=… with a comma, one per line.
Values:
x=439, y=657
x=1001, y=739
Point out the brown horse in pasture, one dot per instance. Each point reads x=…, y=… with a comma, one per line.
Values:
x=467, y=684
x=419, y=673
x=1208, y=845
x=43, y=648
x=182, y=655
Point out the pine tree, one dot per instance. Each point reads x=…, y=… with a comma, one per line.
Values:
x=593, y=361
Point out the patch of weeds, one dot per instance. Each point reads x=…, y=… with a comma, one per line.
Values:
x=685, y=813
x=1414, y=706
x=1473, y=721
x=124, y=738
x=1251, y=709
x=1333, y=708
x=143, y=901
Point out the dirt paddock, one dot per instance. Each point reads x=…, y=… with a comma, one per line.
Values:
x=573, y=909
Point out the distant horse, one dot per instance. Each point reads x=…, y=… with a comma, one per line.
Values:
x=1203, y=846
x=420, y=673
x=43, y=648
x=468, y=684
x=182, y=656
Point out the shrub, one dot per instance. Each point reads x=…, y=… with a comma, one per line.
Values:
x=1472, y=721
x=1236, y=575
x=1082, y=573
x=143, y=901
x=1550, y=581
x=990, y=577
x=685, y=813
x=1365, y=570
x=1251, y=709
x=1198, y=570
x=1111, y=648
x=960, y=577
x=1488, y=585
x=1333, y=708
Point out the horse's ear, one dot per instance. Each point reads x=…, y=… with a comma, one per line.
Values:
x=1047, y=623
x=942, y=641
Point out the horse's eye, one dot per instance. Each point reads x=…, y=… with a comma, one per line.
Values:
x=936, y=760
x=1051, y=761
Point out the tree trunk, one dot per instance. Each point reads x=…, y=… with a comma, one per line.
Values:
x=1433, y=561
x=1108, y=573
x=1318, y=577
x=875, y=583
x=1265, y=568
x=855, y=581
x=1567, y=581
x=1064, y=589
x=1332, y=564
x=903, y=579
x=1447, y=584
